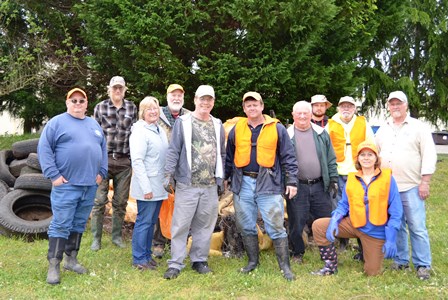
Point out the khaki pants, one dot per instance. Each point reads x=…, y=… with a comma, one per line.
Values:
x=372, y=247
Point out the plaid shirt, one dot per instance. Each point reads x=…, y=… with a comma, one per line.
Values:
x=116, y=124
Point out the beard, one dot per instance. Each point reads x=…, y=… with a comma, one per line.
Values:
x=175, y=107
x=318, y=114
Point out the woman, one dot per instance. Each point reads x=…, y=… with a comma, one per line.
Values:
x=148, y=147
x=370, y=209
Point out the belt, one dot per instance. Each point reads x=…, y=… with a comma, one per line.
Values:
x=117, y=155
x=250, y=174
x=310, y=181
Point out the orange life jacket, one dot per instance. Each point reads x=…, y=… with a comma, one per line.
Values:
x=337, y=135
x=266, y=143
x=377, y=194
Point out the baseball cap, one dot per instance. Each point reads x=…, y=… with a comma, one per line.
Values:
x=347, y=99
x=72, y=91
x=117, y=80
x=173, y=87
x=367, y=145
x=398, y=95
x=321, y=99
x=205, y=90
x=253, y=95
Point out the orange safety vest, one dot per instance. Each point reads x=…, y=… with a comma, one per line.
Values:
x=266, y=143
x=357, y=135
x=377, y=194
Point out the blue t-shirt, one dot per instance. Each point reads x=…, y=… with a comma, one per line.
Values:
x=74, y=148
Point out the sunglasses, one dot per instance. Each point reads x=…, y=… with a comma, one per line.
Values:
x=76, y=101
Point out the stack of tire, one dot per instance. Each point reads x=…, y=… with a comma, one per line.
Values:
x=25, y=207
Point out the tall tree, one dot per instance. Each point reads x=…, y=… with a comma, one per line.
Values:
x=412, y=56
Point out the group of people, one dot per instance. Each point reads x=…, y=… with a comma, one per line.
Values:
x=329, y=171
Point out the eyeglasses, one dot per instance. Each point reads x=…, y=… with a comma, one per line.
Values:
x=76, y=101
x=346, y=106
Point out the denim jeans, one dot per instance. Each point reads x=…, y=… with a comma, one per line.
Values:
x=414, y=215
x=147, y=215
x=310, y=199
x=71, y=206
x=247, y=204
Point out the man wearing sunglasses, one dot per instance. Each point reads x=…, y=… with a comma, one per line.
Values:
x=72, y=153
x=116, y=116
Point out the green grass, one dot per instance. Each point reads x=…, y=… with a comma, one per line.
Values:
x=7, y=140
x=23, y=268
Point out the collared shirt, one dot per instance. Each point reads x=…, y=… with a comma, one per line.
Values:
x=408, y=149
x=116, y=124
x=348, y=165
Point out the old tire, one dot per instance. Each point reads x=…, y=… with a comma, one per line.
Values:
x=5, y=158
x=16, y=166
x=33, y=182
x=4, y=189
x=22, y=149
x=33, y=161
x=29, y=170
x=26, y=212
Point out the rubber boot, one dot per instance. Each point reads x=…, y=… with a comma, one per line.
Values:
x=252, y=250
x=96, y=225
x=282, y=252
x=329, y=255
x=117, y=224
x=359, y=256
x=71, y=252
x=55, y=252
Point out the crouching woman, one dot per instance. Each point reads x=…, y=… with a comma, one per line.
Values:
x=148, y=146
x=370, y=210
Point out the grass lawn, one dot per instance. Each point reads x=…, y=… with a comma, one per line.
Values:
x=23, y=268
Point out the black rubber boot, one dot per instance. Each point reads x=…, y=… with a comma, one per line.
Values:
x=55, y=252
x=71, y=252
x=251, y=245
x=117, y=224
x=96, y=225
x=359, y=256
x=282, y=252
x=330, y=257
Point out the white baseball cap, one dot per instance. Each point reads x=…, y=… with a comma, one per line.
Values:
x=205, y=90
x=117, y=80
x=347, y=99
x=398, y=95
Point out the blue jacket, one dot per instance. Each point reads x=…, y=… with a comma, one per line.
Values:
x=395, y=210
x=270, y=180
x=148, y=145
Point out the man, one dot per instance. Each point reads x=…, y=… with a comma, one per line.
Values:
x=168, y=115
x=320, y=105
x=347, y=131
x=195, y=162
x=318, y=175
x=116, y=116
x=72, y=153
x=406, y=146
x=260, y=162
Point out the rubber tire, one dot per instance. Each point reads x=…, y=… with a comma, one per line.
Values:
x=5, y=158
x=4, y=189
x=26, y=212
x=29, y=170
x=16, y=166
x=33, y=182
x=33, y=161
x=22, y=149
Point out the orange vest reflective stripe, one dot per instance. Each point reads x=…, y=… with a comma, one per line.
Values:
x=357, y=135
x=378, y=198
x=266, y=143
